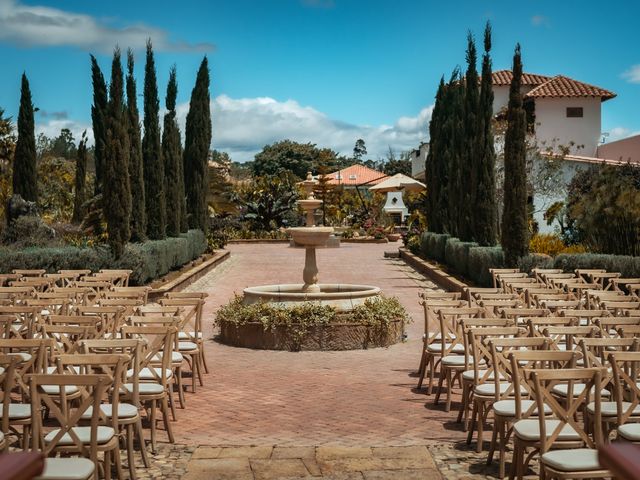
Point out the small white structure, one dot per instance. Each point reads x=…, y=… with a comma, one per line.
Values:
x=395, y=207
x=419, y=160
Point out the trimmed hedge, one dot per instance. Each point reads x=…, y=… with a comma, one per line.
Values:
x=456, y=255
x=481, y=259
x=433, y=245
x=148, y=260
x=628, y=266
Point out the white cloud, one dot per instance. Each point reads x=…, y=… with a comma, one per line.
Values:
x=243, y=126
x=617, y=133
x=540, y=21
x=28, y=25
x=633, y=74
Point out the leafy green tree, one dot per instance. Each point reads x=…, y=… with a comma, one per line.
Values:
x=80, y=181
x=136, y=175
x=116, y=163
x=484, y=206
x=436, y=176
x=196, y=150
x=394, y=164
x=220, y=191
x=98, y=118
x=453, y=149
x=515, y=235
x=64, y=145
x=267, y=201
x=172, y=155
x=359, y=150
x=153, y=166
x=7, y=139
x=294, y=157
x=25, y=180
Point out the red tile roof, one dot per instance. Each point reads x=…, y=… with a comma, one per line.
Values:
x=357, y=175
x=561, y=86
x=504, y=77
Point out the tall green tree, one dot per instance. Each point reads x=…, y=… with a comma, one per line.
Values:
x=153, y=165
x=467, y=167
x=98, y=119
x=80, y=181
x=484, y=205
x=136, y=176
x=515, y=234
x=359, y=150
x=172, y=155
x=434, y=181
x=196, y=149
x=454, y=150
x=25, y=178
x=117, y=197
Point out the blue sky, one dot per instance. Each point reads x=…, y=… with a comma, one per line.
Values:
x=326, y=71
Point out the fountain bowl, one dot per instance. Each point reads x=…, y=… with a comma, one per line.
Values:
x=343, y=297
x=310, y=236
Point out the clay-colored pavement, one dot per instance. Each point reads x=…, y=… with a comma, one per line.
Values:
x=357, y=399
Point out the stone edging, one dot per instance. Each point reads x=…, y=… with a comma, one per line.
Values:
x=258, y=240
x=439, y=276
x=364, y=240
x=190, y=276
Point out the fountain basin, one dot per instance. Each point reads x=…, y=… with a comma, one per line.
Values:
x=310, y=236
x=343, y=297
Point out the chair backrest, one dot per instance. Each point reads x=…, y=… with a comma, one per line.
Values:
x=191, y=313
x=595, y=350
x=25, y=319
x=483, y=368
x=66, y=337
x=543, y=381
x=541, y=359
x=29, y=272
x=112, y=316
x=33, y=355
x=609, y=326
x=536, y=325
x=200, y=295
x=94, y=323
x=50, y=306
x=626, y=381
x=122, y=275
x=7, y=379
x=426, y=295
x=66, y=419
x=569, y=336
x=158, y=343
x=129, y=304
x=449, y=323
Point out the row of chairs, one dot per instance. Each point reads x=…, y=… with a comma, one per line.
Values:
x=531, y=363
x=78, y=383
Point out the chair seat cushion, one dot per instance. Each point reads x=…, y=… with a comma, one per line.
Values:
x=529, y=430
x=187, y=346
x=610, y=409
x=563, y=388
x=489, y=389
x=55, y=389
x=17, y=411
x=125, y=410
x=67, y=469
x=22, y=356
x=437, y=348
x=630, y=431
x=104, y=434
x=189, y=335
x=574, y=460
x=147, y=373
x=507, y=408
x=176, y=357
x=456, y=361
x=145, y=388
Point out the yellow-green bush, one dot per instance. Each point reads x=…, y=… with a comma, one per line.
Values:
x=552, y=245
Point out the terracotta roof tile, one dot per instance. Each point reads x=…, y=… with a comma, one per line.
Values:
x=561, y=86
x=504, y=77
x=357, y=175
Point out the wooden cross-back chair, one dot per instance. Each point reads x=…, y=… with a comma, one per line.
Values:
x=69, y=438
x=518, y=314
x=505, y=407
x=585, y=317
x=29, y=272
x=50, y=306
x=5, y=278
x=536, y=325
x=581, y=458
x=610, y=326
x=129, y=304
x=567, y=338
x=158, y=342
x=25, y=320
x=620, y=308
x=71, y=297
x=525, y=429
x=604, y=278
x=129, y=390
x=94, y=289
x=530, y=294
x=7, y=378
x=431, y=346
x=626, y=376
x=94, y=324
x=17, y=295
x=493, y=307
x=122, y=276
x=65, y=337
x=471, y=294
x=497, y=271
x=112, y=317
x=540, y=273
x=39, y=284
x=487, y=387
x=596, y=297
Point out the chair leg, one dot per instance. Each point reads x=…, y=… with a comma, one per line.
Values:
x=153, y=426
x=497, y=425
x=481, y=418
x=180, y=387
x=143, y=446
x=165, y=416
x=464, y=405
x=172, y=402
x=130, y=455
x=440, y=382
x=118, y=462
x=472, y=425
x=198, y=363
x=107, y=465
x=432, y=373
x=450, y=380
x=204, y=359
x=515, y=460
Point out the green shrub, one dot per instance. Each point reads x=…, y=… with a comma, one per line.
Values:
x=481, y=259
x=456, y=255
x=628, y=266
x=535, y=260
x=433, y=245
x=147, y=260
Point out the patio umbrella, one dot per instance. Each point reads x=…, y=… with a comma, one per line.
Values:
x=399, y=182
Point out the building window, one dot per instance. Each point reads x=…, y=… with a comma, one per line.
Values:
x=338, y=177
x=352, y=177
x=574, y=112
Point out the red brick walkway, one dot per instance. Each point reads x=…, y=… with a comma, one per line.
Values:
x=312, y=398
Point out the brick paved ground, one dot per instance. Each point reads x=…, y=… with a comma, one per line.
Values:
x=360, y=399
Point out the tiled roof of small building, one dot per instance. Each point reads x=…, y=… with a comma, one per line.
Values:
x=504, y=77
x=357, y=175
x=561, y=86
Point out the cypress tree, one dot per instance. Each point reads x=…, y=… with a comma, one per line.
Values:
x=80, y=181
x=433, y=164
x=196, y=150
x=98, y=119
x=515, y=241
x=116, y=163
x=485, y=222
x=172, y=155
x=136, y=180
x=469, y=157
x=152, y=153
x=454, y=151
x=25, y=177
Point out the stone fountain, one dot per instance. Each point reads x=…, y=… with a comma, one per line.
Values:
x=342, y=296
